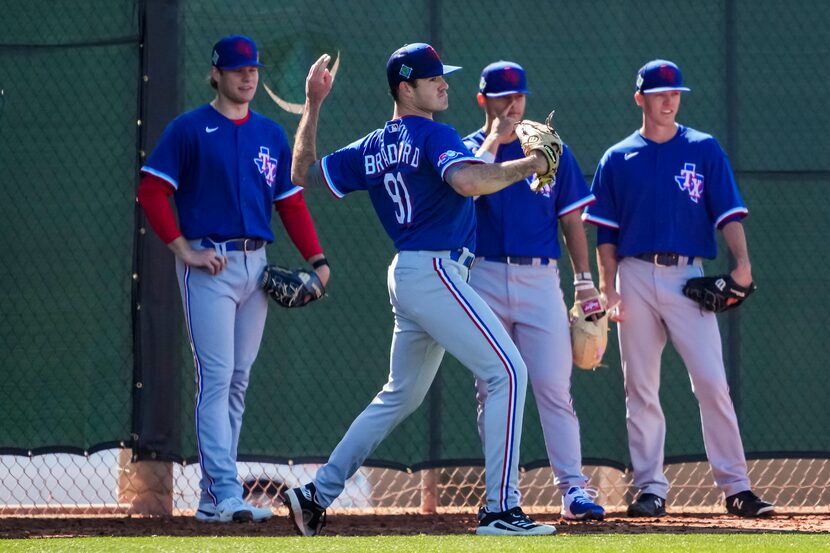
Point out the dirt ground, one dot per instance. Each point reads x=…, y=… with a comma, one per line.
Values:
x=377, y=525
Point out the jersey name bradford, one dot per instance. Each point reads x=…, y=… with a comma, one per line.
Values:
x=392, y=154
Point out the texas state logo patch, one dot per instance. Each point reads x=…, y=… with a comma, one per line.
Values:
x=690, y=181
x=267, y=165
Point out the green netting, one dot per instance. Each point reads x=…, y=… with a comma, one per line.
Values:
x=67, y=160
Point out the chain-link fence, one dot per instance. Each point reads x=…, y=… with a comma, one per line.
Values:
x=81, y=84
x=106, y=483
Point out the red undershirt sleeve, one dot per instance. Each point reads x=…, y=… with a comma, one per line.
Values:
x=296, y=218
x=154, y=196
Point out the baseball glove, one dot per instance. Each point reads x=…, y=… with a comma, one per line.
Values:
x=717, y=293
x=542, y=137
x=589, y=338
x=291, y=288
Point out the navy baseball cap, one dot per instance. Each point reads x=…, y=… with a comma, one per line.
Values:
x=660, y=76
x=415, y=61
x=233, y=52
x=503, y=78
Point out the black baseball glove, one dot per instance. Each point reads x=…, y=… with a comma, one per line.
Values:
x=291, y=288
x=717, y=293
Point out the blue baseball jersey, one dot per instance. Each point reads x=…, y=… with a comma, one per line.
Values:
x=517, y=221
x=402, y=166
x=665, y=197
x=226, y=176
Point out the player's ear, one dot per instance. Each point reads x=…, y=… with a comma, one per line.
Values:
x=638, y=98
x=404, y=89
x=480, y=98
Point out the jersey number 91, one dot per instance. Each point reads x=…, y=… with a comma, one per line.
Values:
x=396, y=188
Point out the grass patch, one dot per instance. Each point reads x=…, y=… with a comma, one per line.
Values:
x=618, y=543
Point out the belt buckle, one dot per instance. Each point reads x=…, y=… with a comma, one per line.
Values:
x=245, y=245
x=656, y=262
x=672, y=258
x=508, y=260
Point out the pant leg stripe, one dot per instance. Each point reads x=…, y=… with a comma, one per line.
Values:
x=511, y=373
x=199, y=388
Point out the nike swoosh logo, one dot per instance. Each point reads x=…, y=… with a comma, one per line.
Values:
x=209, y=130
x=629, y=155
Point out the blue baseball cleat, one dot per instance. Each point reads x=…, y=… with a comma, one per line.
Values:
x=578, y=504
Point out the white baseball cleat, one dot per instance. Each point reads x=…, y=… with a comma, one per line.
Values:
x=232, y=509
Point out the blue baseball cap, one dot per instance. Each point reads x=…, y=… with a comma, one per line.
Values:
x=233, y=52
x=660, y=76
x=415, y=61
x=503, y=78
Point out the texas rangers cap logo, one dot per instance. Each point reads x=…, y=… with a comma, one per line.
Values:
x=267, y=165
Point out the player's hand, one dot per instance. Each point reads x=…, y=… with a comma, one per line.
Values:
x=615, y=305
x=504, y=125
x=540, y=162
x=207, y=260
x=587, y=293
x=742, y=275
x=319, y=81
x=324, y=273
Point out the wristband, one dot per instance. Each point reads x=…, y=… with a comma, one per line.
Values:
x=583, y=276
x=320, y=262
x=583, y=285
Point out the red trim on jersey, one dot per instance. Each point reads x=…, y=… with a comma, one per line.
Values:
x=735, y=217
x=588, y=201
x=241, y=121
x=297, y=222
x=154, y=196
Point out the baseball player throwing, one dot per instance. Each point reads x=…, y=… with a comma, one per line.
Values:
x=421, y=178
x=661, y=192
x=226, y=166
x=517, y=274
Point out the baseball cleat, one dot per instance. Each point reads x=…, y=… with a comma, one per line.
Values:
x=578, y=504
x=308, y=517
x=747, y=504
x=512, y=522
x=648, y=505
x=207, y=513
x=232, y=509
